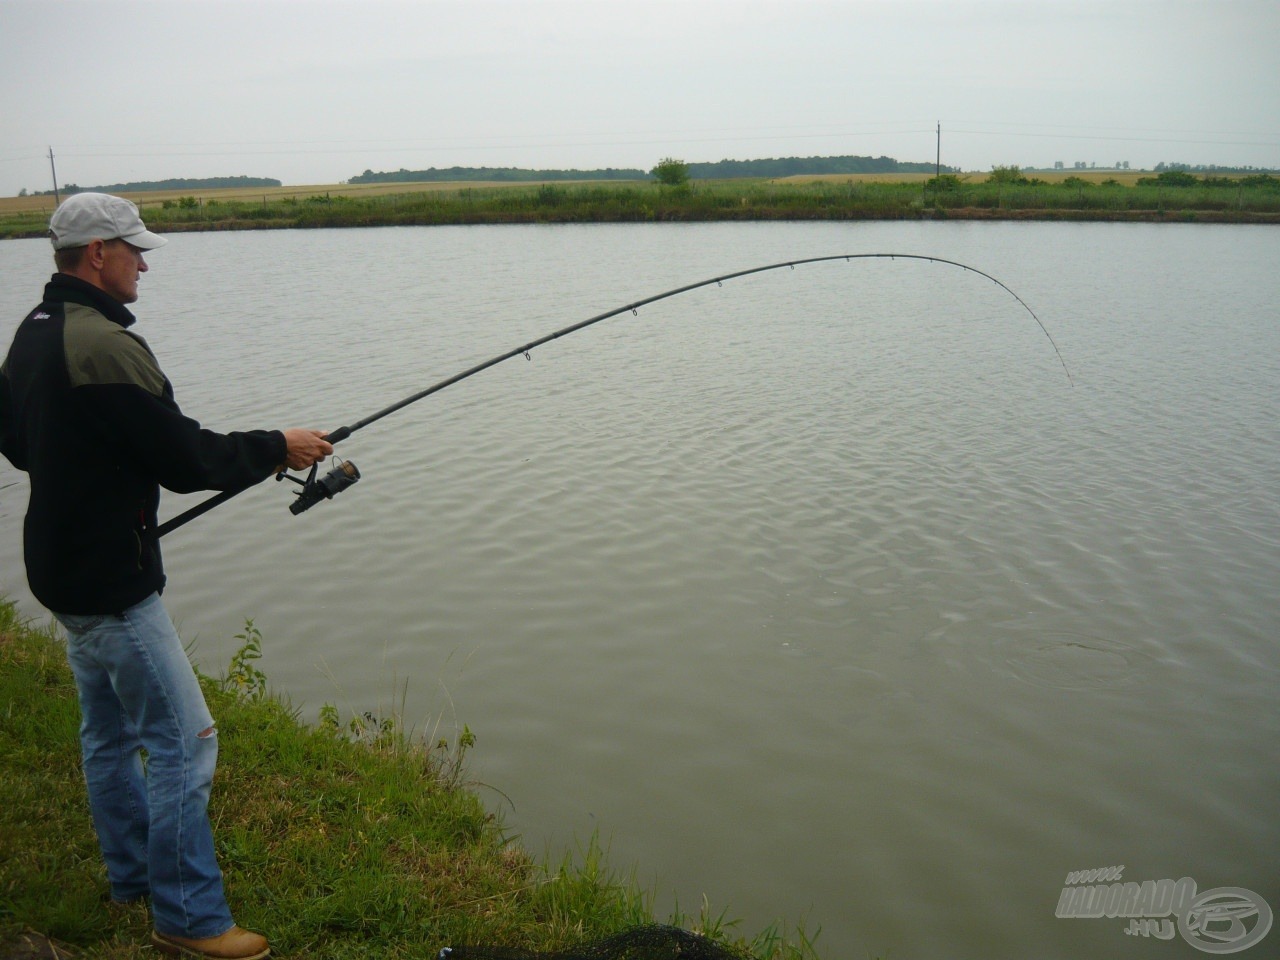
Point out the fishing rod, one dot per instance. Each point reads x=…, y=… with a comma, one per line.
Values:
x=345, y=474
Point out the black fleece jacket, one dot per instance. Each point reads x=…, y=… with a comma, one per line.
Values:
x=87, y=412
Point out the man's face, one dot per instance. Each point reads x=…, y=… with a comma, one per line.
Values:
x=121, y=268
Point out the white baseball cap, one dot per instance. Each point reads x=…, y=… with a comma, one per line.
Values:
x=83, y=217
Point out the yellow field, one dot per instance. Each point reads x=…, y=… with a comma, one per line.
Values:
x=1126, y=177
x=302, y=192
x=156, y=197
x=855, y=178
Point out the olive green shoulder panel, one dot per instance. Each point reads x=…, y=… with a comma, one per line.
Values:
x=101, y=352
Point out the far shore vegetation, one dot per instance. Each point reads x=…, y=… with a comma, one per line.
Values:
x=345, y=839
x=1006, y=193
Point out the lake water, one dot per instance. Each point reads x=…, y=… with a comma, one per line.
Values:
x=822, y=593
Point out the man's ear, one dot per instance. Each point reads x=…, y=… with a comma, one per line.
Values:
x=95, y=253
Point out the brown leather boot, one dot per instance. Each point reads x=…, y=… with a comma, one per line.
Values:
x=235, y=944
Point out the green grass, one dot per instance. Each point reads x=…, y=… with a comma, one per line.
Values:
x=24, y=223
x=1252, y=199
x=341, y=840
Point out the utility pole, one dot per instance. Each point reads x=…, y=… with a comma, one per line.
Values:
x=937, y=162
x=54, y=171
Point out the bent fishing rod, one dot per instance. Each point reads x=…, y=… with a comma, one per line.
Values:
x=342, y=476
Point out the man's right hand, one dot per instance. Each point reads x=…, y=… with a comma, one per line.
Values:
x=305, y=447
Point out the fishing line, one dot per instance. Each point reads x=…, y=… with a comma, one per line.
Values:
x=345, y=473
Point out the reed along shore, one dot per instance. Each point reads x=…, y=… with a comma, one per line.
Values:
x=1253, y=199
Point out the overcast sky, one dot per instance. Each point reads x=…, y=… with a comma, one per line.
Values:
x=314, y=92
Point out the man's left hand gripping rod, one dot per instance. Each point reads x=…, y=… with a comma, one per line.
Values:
x=313, y=490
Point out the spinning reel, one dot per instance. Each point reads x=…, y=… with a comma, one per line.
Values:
x=327, y=487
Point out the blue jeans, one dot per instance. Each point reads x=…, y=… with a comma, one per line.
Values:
x=138, y=692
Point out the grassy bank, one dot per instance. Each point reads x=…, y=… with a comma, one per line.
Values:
x=1248, y=200
x=339, y=841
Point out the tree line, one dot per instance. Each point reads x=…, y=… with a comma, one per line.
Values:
x=719, y=170
x=808, y=166
x=1210, y=168
x=142, y=186
x=493, y=175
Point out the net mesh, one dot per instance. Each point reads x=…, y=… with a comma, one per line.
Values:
x=649, y=942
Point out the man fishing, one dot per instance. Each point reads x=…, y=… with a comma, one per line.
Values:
x=86, y=411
